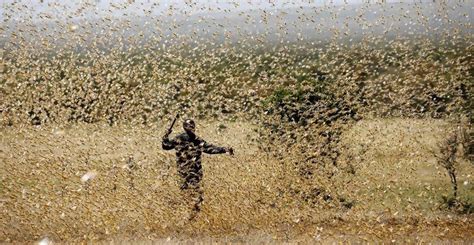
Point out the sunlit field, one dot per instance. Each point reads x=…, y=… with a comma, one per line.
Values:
x=350, y=121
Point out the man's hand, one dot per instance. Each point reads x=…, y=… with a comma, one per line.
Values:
x=230, y=150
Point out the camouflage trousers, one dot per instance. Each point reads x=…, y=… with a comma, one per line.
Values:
x=191, y=190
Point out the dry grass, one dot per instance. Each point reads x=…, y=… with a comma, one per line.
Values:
x=248, y=198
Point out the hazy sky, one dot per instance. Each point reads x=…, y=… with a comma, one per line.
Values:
x=78, y=9
x=274, y=20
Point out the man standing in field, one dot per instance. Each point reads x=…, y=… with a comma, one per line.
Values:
x=189, y=148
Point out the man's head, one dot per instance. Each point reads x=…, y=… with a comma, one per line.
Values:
x=189, y=126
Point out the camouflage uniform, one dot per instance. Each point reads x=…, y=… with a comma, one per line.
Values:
x=189, y=149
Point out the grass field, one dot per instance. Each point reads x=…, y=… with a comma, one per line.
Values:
x=396, y=192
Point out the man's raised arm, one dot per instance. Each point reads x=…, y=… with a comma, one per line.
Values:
x=168, y=144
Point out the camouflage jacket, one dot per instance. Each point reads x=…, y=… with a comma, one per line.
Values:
x=188, y=154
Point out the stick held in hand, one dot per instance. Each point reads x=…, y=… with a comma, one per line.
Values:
x=170, y=129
